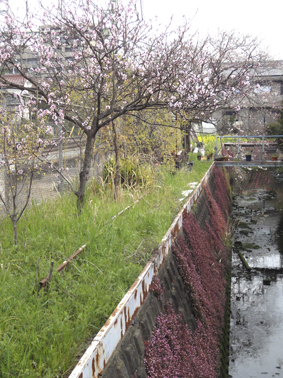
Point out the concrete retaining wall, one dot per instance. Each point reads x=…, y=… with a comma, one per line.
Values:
x=118, y=349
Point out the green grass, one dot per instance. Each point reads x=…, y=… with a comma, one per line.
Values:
x=42, y=333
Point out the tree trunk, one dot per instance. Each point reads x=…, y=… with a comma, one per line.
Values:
x=187, y=139
x=85, y=172
x=60, y=155
x=188, y=131
x=15, y=232
x=117, y=179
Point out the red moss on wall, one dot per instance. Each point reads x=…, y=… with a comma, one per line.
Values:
x=258, y=179
x=175, y=350
x=222, y=192
x=156, y=288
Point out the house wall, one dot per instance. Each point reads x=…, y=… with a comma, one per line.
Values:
x=258, y=109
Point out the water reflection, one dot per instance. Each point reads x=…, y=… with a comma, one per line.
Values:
x=257, y=328
x=271, y=261
x=256, y=339
x=280, y=235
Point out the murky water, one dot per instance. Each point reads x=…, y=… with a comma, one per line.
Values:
x=256, y=339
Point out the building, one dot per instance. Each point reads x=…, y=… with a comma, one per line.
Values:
x=259, y=107
x=11, y=97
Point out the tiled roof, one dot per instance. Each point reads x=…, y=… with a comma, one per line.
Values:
x=13, y=79
x=271, y=72
x=270, y=69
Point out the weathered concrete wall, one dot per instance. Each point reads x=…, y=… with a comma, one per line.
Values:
x=134, y=319
x=128, y=359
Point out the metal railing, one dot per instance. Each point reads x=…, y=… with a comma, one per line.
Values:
x=262, y=137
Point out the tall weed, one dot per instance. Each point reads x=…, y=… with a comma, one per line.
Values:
x=43, y=332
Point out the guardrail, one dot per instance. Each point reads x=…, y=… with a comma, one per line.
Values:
x=254, y=163
x=262, y=137
x=105, y=342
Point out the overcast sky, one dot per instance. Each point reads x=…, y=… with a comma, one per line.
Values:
x=262, y=19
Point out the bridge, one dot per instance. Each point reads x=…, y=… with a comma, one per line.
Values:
x=262, y=154
x=253, y=163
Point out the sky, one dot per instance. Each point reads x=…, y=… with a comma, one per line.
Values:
x=261, y=19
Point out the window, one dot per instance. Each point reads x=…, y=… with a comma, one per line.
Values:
x=262, y=89
x=229, y=113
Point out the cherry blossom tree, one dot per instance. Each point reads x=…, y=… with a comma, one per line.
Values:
x=89, y=66
x=20, y=142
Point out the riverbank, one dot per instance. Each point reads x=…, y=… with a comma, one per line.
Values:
x=43, y=332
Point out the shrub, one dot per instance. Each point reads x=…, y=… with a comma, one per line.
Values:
x=132, y=172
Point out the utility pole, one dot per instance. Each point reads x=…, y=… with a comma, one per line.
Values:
x=60, y=155
x=27, y=9
x=114, y=4
x=4, y=6
x=141, y=9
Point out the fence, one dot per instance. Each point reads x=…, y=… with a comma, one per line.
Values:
x=46, y=182
x=263, y=143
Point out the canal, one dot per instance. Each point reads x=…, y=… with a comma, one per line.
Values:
x=256, y=337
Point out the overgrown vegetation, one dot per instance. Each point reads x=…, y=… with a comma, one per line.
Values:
x=42, y=332
x=276, y=128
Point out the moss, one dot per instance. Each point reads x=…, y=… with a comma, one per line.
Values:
x=225, y=339
x=244, y=232
x=247, y=246
x=244, y=261
x=244, y=225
